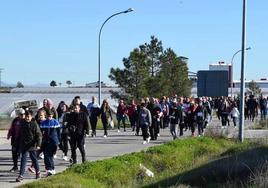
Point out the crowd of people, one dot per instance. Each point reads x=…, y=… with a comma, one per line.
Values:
x=40, y=134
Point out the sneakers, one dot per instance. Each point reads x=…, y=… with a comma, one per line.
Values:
x=148, y=139
x=53, y=171
x=144, y=142
x=49, y=173
x=55, y=156
x=38, y=175
x=105, y=136
x=31, y=169
x=14, y=169
x=65, y=158
x=19, y=179
x=118, y=130
x=41, y=156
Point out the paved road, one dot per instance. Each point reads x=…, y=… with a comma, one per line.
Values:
x=100, y=148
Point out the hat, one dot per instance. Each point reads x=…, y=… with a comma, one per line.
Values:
x=20, y=111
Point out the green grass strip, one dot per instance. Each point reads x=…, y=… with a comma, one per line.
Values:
x=165, y=161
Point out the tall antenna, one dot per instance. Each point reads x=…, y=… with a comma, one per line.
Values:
x=1, y=76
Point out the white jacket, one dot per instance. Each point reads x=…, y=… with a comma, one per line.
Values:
x=235, y=112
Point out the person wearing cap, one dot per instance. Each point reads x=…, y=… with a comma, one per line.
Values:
x=51, y=138
x=14, y=133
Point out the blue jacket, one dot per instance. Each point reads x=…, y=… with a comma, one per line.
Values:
x=51, y=131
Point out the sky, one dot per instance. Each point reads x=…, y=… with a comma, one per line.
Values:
x=44, y=40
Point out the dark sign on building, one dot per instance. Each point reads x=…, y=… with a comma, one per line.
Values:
x=212, y=83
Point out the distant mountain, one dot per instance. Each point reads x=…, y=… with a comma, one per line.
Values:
x=38, y=85
x=4, y=84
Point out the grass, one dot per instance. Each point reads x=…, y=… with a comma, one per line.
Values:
x=192, y=161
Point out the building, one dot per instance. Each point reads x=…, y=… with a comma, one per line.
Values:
x=221, y=66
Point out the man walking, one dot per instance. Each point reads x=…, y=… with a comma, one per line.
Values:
x=78, y=125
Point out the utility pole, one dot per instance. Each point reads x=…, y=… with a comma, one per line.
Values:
x=242, y=80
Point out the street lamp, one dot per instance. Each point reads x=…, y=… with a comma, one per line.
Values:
x=122, y=12
x=232, y=69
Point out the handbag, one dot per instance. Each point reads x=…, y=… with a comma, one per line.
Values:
x=110, y=123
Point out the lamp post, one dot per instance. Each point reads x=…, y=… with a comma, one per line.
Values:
x=99, y=53
x=232, y=69
x=242, y=88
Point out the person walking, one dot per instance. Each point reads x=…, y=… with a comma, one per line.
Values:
x=30, y=141
x=78, y=126
x=93, y=109
x=121, y=115
x=200, y=117
x=144, y=122
x=174, y=116
x=14, y=134
x=106, y=116
x=51, y=138
x=234, y=114
x=63, y=113
x=132, y=114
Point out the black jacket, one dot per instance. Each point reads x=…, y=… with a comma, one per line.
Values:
x=30, y=136
x=78, y=123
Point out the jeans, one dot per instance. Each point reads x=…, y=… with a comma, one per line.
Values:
x=174, y=130
x=200, y=126
x=23, y=162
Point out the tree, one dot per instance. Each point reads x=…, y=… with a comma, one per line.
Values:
x=153, y=50
x=68, y=82
x=132, y=77
x=53, y=83
x=20, y=85
x=148, y=71
x=256, y=90
x=174, y=75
